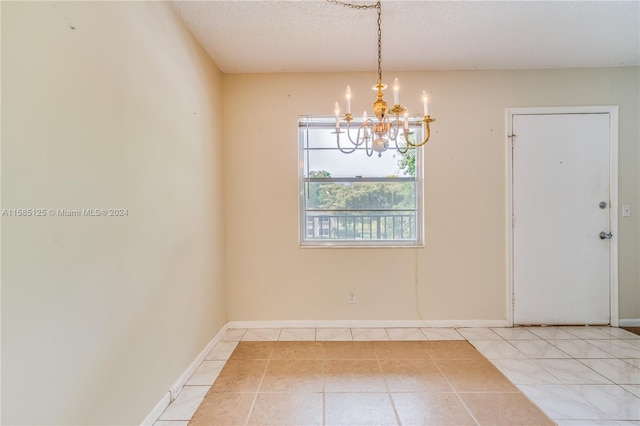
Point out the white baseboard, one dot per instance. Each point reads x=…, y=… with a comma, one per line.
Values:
x=629, y=322
x=157, y=411
x=367, y=323
x=179, y=384
x=176, y=388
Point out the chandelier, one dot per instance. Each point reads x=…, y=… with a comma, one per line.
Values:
x=391, y=125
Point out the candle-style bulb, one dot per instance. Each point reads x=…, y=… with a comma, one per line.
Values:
x=425, y=102
x=348, y=96
x=364, y=116
x=396, y=92
x=336, y=109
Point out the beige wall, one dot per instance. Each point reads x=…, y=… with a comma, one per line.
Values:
x=461, y=273
x=106, y=105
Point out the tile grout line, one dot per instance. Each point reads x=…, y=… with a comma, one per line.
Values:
x=323, y=388
x=455, y=391
x=386, y=385
x=502, y=338
x=257, y=392
x=562, y=382
x=577, y=359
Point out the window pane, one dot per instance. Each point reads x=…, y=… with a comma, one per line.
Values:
x=361, y=195
x=355, y=164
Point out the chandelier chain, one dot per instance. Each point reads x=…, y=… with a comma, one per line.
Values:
x=379, y=9
x=355, y=6
x=378, y=6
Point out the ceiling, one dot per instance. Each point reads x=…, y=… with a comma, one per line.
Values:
x=318, y=36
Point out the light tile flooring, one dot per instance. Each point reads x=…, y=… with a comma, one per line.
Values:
x=579, y=376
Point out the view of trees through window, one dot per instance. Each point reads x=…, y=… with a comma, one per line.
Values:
x=352, y=197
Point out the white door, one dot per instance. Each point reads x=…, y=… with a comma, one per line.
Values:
x=561, y=204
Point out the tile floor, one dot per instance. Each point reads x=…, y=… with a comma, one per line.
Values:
x=578, y=376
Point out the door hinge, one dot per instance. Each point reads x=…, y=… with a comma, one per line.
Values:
x=513, y=299
x=513, y=221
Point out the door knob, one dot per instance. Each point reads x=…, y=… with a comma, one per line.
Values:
x=605, y=235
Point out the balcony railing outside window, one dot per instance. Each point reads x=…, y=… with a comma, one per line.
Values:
x=360, y=227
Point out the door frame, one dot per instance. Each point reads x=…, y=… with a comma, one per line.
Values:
x=613, y=191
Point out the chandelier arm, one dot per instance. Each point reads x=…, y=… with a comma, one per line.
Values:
x=368, y=149
x=400, y=150
x=396, y=132
x=344, y=150
x=358, y=142
x=427, y=119
x=367, y=137
x=394, y=129
x=406, y=133
x=364, y=126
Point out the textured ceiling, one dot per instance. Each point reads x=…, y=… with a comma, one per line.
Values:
x=314, y=35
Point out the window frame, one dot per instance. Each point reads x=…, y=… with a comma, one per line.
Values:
x=306, y=122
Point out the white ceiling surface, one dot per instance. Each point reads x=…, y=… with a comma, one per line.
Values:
x=317, y=36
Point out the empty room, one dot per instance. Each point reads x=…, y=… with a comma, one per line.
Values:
x=320, y=212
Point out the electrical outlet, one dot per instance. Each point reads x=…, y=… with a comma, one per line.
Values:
x=352, y=297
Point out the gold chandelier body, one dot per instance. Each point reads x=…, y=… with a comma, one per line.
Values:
x=377, y=136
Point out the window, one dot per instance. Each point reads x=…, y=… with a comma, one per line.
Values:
x=353, y=199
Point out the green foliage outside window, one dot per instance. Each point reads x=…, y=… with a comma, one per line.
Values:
x=407, y=162
x=365, y=195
